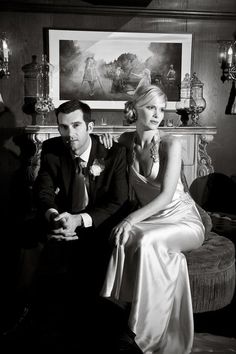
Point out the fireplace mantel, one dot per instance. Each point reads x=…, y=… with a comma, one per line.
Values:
x=196, y=160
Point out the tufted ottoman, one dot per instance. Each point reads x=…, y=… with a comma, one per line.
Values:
x=212, y=266
x=212, y=273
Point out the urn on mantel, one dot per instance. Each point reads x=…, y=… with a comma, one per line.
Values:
x=44, y=103
x=191, y=100
x=37, y=89
x=30, y=71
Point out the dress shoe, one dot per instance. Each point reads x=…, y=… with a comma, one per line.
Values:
x=21, y=326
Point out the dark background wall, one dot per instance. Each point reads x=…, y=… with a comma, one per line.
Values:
x=208, y=21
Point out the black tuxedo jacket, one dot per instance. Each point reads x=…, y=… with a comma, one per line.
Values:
x=108, y=192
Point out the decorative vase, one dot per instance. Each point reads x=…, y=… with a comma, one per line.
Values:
x=44, y=102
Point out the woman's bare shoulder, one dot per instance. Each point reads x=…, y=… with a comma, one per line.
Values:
x=169, y=141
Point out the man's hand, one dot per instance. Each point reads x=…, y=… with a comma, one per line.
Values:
x=65, y=237
x=66, y=225
x=54, y=224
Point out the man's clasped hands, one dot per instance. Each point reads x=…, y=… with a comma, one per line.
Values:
x=63, y=226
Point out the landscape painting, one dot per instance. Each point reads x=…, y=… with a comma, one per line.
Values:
x=105, y=69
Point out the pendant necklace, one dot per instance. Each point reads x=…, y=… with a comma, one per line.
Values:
x=154, y=149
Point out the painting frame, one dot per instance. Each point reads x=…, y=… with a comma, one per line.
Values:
x=69, y=46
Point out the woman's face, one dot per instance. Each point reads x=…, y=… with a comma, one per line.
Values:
x=150, y=114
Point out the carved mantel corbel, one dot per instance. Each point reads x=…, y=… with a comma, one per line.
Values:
x=204, y=160
x=37, y=139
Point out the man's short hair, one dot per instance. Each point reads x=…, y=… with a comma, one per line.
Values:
x=73, y=105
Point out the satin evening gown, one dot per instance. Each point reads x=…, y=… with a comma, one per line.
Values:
x=150, y=271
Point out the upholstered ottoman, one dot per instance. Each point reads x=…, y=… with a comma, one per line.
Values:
x=212, y=273
x=212, y=266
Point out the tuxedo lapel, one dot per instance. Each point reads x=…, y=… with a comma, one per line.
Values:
x=93, y=152
x=90, y=178
x=98, y=151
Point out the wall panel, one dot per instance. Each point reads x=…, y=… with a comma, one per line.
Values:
x=25, y=32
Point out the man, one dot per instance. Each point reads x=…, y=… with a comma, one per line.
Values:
x=80, y=200
x=104, y=172
x=78, y=214
x=81, y=193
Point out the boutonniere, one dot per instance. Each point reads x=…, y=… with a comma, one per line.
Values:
x=97, y=167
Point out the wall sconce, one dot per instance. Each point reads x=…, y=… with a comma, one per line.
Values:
x=191, y=100
x=4, y=56
x=227, y=59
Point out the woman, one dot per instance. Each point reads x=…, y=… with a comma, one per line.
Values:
x=147, y=268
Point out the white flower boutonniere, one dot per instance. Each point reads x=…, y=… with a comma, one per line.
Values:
x=97, y=167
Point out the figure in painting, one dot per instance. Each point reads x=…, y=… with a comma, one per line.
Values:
x=171, y=75
x=145, y=79
x=90, y=74
x=117, y=82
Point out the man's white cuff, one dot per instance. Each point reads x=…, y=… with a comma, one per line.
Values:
x=87, y=220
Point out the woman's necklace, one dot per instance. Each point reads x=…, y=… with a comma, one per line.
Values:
x=154, y=149
x=143, y=155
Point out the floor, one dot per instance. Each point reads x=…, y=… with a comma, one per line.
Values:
x=205, y=343
x=214, y=332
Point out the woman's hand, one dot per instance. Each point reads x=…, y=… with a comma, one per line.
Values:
x=106, y=139
x=120, y=233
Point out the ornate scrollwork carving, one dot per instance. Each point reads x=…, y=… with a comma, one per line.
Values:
x=204, y=161
x=34, y=161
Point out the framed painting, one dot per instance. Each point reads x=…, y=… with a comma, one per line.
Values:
x=104, y=69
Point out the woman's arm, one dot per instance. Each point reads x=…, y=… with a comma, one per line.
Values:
x=124, y=139
x=169, y=179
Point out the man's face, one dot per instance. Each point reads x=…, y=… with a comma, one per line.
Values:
x=74, y=131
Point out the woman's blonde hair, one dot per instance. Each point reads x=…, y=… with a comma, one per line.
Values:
x=143, y=95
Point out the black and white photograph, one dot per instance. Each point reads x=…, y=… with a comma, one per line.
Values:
x=117, y=176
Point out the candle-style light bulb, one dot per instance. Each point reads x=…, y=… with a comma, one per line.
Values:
x=230, y=56
x=5, y=50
